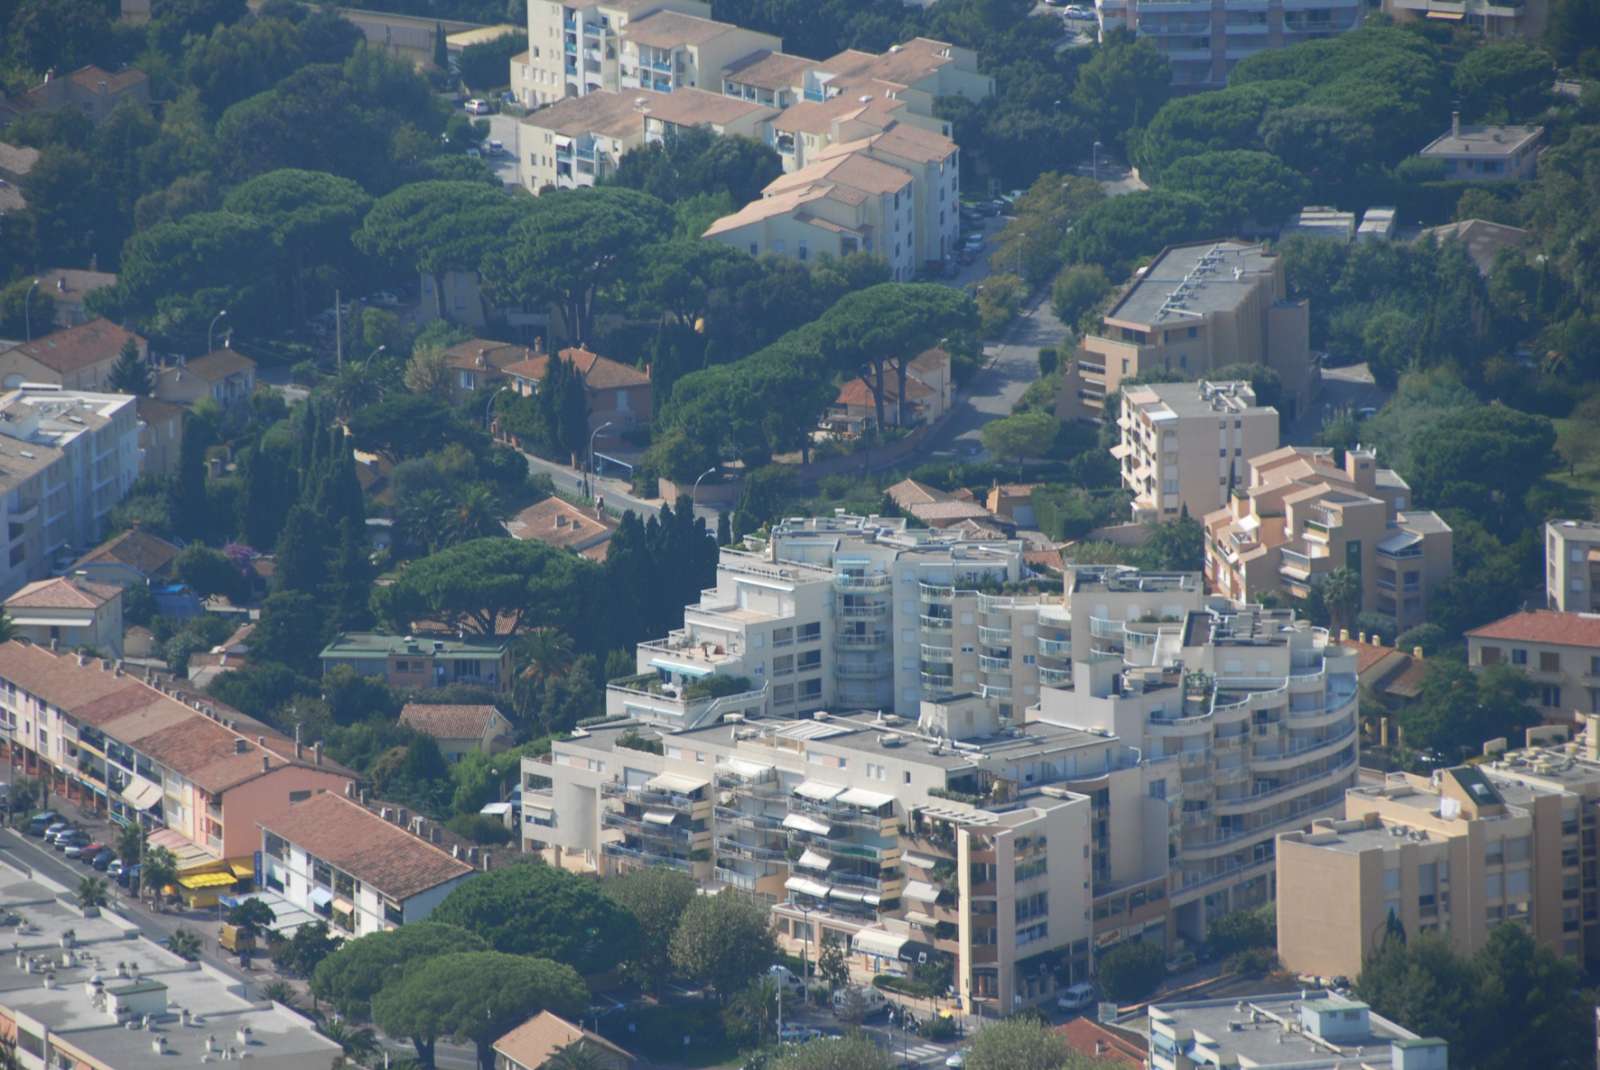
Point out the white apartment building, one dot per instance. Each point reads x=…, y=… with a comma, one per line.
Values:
x=362, y=872
x=1258, y=709
x=66, y=459
x=1572, y=566
x=1168, y=433
x=957, y=844
x=576, y=48
x=667, y=50
x=1203, y=39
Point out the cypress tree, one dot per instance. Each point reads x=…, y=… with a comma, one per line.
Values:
x=189, y=497
x=302, y=552
x=724, y=530
x=351, y=580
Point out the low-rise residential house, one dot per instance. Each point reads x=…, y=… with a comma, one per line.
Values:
x=160, y=435
x=196, y=773
x=424, y=661
x=578, y=141
x=1012, y=502
x=929, y=394
x=1486, y=153
x=618, y=394
x=1298, y=1030
x=1297, y=517
x=92, y=90
x=575, y=46
x=226, y=376
x=362, y=872
x=1560, y=652
x=479, y=364
x=76, y=358
x=1168, y=431
x=459, y=730
x=533, y=1044
x=70, y=612
x=1192, y=310
x=557, y=522
x=1484, y=240
x=66, y=288
x=135, y=556
x=1572, y=566
x=1393, y=675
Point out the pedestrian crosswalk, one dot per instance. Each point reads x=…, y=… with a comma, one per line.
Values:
x=924, y=1053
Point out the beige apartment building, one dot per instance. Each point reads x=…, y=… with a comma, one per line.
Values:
x=1168, y=433
x=954, y=837
x=1510, y=840
x=1560, y=652
x=668, y=50
x=581, y=140
x=1572, y=566
x=1495, y=19
x=1194, y=309
x=576, y=48
x=1297, y=517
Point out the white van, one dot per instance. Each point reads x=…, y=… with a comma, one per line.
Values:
x=1079, y=997
x=873, y=1002
x=785, y=979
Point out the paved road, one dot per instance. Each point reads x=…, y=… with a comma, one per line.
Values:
x=618, y=497
x=505, y=129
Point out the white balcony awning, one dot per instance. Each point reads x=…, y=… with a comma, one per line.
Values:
x=807, y=887
x=321, y=897
x=747, y=769
x=920, y=861
x=920, y=892
x=141, y=794
x=816, y=790
x=917, y=917
x=684, y=667
x=659, y=817
x=53, y=621
x=879, y=942
x=802, y=823
x=853, y=897
x=676, y=782
x=867, y=800
x=811, y=860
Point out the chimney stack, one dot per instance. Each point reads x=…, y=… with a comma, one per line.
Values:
x=299, y=748
x=1455, y=124
x=266, y=763
x=316, y=752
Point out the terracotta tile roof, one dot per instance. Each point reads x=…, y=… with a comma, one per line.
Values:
x=78, y=347
x=909, y=492
x=777, y=204
x=692, y=107
x=818, y=116
x=219, y=364
x=767, y=69
x=62, y=592
x=857, y=392
x=156, y=411
x=604, y=112
x=1544, y=626
x=932, y=360
x=449, y=722
x=599, y=373
x=951, y=510
x=532, y=1043
x=496, y=356
x=137, y=549
x=560, y=523
x=672, y=29
x=165, y=726
x=350, y=837
x=1112, y=1047
x=856, y=170
x=905, y=64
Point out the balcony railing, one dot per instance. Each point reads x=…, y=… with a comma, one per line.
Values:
x=1049, y=677
x=652, y=858
x=938, y=624
x=936, y=682
x=993, y=664
x=871, y=581
x=861, y=640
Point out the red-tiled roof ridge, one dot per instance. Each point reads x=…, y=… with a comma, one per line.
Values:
x=1544, y=626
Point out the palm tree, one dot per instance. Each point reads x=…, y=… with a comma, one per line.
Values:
x=579, y=1055
x=280, y=992
x=357, y=1041
x=160, y=869
x=130, y=843
x=7, y=632
x=546, y=653
x=476, y=514
x=1341, y=593
x=185, y=943
x=93, y=893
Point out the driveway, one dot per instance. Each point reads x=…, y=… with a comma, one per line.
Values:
x=1350, y=387
x=505, y=129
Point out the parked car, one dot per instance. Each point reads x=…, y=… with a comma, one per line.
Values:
x=478, y=107
x=797, y=1034
x=956, y=1060
x=60, y=828
x=497, y=148
x=84, y=851
x=1079, y=997
x=41, y=821
x=104, y=858
x=72, y=838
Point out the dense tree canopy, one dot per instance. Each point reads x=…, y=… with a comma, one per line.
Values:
x=493, y=586
x=353, y=975
x=540, y=910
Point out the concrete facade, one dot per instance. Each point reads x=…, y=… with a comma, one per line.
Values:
x=1572, y=566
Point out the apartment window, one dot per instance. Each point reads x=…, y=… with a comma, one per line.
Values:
x=274, y=846
x=1549, y=661
x=1194, y=332
x=321, y=872
x=1550, y=696
x=1519, y=656
x=345, y=885
x=1494, y=886
x=803, y=252
x=810, y=688
x=1489, y=655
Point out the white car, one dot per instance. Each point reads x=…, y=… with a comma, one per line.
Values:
x=496, y=148
x=956, y=1060
x=1077, y=998
x=478, y=107
x=785, y=979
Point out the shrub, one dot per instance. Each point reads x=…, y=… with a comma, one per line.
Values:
x=1131, y=971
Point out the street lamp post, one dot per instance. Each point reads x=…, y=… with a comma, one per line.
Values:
x=588, y=474
x=694, y=491
x=488, y=405
x=212, y=328
x=27, y=310
x=1096, y=160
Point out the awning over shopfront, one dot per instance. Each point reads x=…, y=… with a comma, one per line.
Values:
x=195, y=881
x=879, y=942
x=141, y=794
